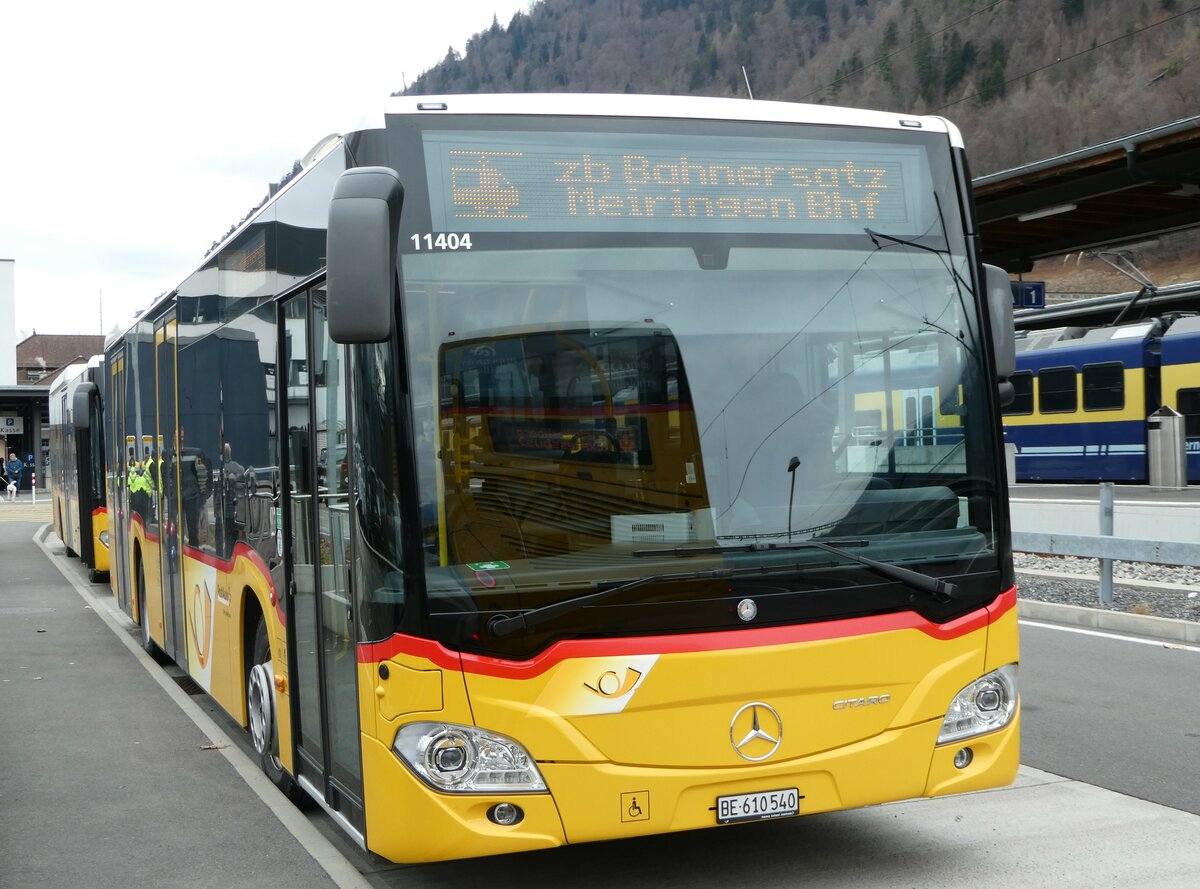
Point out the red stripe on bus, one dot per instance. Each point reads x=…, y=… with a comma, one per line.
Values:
x=439, y=655
x=136, y=519
x=225, y=566
x=578, y=413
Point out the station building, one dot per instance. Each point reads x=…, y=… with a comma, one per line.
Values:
x=27, y=370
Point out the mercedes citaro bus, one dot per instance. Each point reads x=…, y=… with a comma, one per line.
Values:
x=509, y=479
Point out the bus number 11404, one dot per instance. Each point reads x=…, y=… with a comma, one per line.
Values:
x=442, y=241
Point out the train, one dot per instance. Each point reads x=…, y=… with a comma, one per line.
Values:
x=1086, y=398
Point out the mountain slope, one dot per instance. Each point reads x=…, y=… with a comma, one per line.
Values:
x=1023, y=79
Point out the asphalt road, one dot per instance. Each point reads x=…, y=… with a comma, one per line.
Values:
x=1118, y=714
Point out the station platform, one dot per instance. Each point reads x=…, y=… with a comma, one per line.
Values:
x=106, y=780
x=1121, y=492
x=26, y=509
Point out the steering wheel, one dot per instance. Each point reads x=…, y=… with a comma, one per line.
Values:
x=613, y=443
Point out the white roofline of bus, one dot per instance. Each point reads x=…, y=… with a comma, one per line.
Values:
x=67, y=376
x=692, y=107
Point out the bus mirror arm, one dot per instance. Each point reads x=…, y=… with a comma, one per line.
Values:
x=360, y=254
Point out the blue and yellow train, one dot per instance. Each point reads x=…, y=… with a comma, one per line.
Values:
x=1083, y=398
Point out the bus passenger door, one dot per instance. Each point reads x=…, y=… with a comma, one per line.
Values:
x=164, y=479
x=118, y=492
x=317, y=514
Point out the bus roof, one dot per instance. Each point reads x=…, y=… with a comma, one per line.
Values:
x=689, y=107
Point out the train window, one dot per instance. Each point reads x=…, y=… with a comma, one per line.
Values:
x=1056, y=390
x=1104, y=386
x=1187, y=402
x=1022, y=403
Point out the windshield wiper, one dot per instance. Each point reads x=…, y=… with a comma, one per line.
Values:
x=501, y=625
x=907, y=242
x=941, y=591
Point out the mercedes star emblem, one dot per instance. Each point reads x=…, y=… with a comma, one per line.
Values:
x=762, y=725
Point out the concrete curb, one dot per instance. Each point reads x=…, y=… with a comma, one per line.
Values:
x=1165, y=628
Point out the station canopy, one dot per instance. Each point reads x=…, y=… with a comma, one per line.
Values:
x=1117, y=193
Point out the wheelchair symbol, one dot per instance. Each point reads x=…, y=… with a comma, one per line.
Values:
x=635, y=806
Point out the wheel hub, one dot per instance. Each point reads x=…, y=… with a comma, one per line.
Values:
x=261, y=702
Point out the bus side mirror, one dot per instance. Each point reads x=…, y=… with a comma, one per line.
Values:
x=360, y=254
x=1004, y=339
x=80, y=402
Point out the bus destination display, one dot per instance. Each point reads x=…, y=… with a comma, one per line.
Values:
x=540, y=182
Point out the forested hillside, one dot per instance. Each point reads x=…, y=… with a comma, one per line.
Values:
x=1024, y=79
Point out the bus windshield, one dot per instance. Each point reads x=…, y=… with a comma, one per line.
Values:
x=650, y=389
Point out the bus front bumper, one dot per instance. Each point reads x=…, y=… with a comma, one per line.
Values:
x=408, y=822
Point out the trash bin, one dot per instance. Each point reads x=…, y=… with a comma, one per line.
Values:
x=1166, y=450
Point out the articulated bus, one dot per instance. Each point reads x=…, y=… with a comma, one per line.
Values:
x=508, y=480
x=77, y=465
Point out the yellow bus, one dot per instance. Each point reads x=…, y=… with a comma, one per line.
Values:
x=509, y=482
x=77, y=466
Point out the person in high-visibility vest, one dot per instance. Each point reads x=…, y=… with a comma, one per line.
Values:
x=140, y=489
x=153, y=467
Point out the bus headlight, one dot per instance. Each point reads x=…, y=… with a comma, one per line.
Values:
x=462, y=759
x=987, y=704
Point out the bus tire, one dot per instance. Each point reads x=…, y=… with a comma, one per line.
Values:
x=261, y=719
x=148, y=645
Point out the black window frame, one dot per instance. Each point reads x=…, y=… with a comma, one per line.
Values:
x=1191, y=419
x=1120, y=365
x=1041, y=399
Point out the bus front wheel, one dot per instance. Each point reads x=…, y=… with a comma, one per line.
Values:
x=263, y=724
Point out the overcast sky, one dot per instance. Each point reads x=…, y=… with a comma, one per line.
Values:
x=133, y=134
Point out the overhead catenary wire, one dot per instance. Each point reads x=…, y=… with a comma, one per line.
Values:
x=1080, y=54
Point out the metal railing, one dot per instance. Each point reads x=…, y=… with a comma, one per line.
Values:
x=1106, y=547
